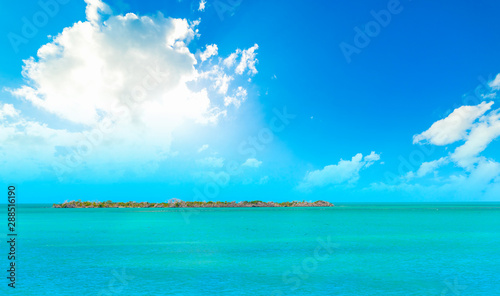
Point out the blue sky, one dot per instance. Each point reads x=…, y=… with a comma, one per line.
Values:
x=242, y=100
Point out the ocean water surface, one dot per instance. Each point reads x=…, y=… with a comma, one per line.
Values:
x=350, y=249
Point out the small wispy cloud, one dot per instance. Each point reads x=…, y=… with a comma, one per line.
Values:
x=203, y=148
x=202, y=5
x=252, y=162
x=216, y=162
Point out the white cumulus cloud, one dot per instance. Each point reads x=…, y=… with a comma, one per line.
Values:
x=247, y=60
x=239, y=97
x=211, y=50
x=428, y=167
x=454, y=127
x=346, y=171
x=480, y=136
x=94, y=9
x=495, y=83
x=8, y=110
x=231, y=59
x=131, y=72
x=477, y=126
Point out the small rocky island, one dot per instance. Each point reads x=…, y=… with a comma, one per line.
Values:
x=176, y=203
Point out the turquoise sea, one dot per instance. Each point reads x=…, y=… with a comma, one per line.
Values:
x=351, y=249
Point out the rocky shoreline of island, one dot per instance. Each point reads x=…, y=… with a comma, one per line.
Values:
x=190, y=204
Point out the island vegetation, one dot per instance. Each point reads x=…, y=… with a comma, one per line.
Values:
x=176, y=203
